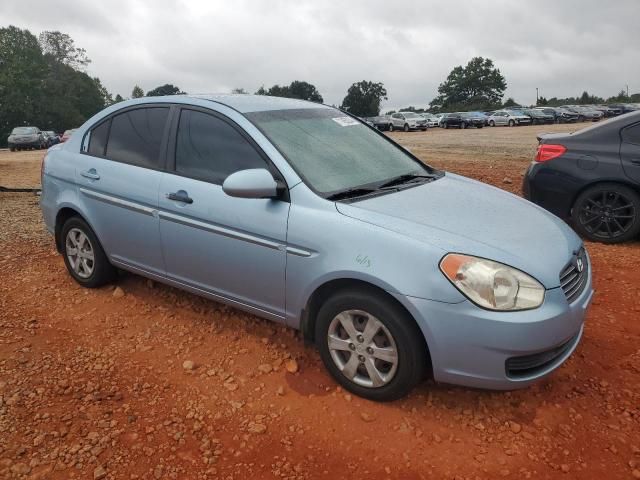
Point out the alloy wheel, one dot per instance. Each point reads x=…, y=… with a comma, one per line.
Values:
x=362, y=348
x=79, y=253
x=607, y=214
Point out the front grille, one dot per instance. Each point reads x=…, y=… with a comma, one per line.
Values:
x=573, y=278
x=528, y=365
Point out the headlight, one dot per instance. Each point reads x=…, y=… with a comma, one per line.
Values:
x=492, y=285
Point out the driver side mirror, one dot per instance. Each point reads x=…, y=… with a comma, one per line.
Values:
x=251, y=183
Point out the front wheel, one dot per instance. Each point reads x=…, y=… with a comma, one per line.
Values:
x=370, y=345
x=13, y=149
x=463, y=125
x=445, y=125
x=512, y=123
x=391, y=127
x=84, y=257
x=607, y=213
x=492, y=123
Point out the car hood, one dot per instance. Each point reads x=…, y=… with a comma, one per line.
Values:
x=457, y=214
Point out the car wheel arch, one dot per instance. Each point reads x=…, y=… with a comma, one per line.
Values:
x=64, y=214
x=329, y=288
x=616, y=181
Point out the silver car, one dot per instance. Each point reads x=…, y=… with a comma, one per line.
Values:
x=510, y=118
x=301, y=214
x=407, y=121
x=26, y=138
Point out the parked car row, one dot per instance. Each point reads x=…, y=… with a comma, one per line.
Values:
x=511, y=117
x=29, y=138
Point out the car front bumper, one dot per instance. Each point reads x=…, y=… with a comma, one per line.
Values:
x=474, y=347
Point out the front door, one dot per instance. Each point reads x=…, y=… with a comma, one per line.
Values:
x=229, y=247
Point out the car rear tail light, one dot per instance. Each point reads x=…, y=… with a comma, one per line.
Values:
x=548, y=152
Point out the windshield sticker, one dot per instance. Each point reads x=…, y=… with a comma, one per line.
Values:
x=345, y=121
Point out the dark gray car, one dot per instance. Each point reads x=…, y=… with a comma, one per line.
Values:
x=26, y=137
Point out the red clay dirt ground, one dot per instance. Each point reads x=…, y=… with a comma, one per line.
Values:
x=93, y=383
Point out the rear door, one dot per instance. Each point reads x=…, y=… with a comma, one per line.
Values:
x=118, y=175
x=630, y=151
x=228, y=247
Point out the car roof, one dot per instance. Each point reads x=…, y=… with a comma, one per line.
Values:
x=243, y=103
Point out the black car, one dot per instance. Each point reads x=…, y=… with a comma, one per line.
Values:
x=449, y=120
x=591, y=177
x=538, y=117
x=472, y=119
x=381, y=122
x=560, y=115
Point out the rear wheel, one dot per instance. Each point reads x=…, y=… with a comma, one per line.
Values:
x=84, y=257
x=463, y=125
x=608, y=213
x=391, y=127
x=370, y=345
x=492, y=123
x=13, y=149
x=445, y=125
x=406, y=127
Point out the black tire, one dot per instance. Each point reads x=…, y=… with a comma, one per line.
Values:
x=492, y=123
x=445, y=125
x=607, y=213
x=13, y=149
x=391, y=127
x=102, y=272
x=463, y=125
x=479, y=126
x=512, y=123
x=406, y=127
x=412, y=356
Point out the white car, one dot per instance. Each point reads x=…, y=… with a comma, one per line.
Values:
x=432, y=120
x=508, y=117
x=407, y=121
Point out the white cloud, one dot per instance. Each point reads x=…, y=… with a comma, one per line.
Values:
x=207, y=46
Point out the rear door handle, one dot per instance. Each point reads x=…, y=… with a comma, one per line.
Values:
x=635, y=161
x=91, y=174
x=180, y=196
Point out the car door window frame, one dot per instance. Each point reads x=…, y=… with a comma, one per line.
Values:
x=162, y=153
x=172, y=144
x=625, y=138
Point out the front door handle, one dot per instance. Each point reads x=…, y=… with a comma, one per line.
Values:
x=180, y=196
x=635, y=161
x=91, y=174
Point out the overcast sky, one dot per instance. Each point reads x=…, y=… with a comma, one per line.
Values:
x=206, y=46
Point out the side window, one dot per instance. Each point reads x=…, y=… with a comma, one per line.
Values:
x=210, y=149
x=632, y=134
x=136, y=135
x=98, y=139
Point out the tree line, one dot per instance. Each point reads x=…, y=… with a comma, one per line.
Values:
x=43, y=83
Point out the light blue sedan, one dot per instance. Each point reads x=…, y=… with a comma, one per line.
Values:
x=302, y=214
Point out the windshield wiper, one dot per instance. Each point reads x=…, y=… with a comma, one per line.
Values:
x=351, y=193
x=404, y=179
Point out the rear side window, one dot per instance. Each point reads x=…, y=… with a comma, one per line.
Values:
x=632, y=134
x=136, y=135
x=210, y=149
x=98, y=139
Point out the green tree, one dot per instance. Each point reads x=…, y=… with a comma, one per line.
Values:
x=137, y=92
x=541, y=102
x=634, y=98
x=63, y=50
x=621, y=97
x=296, y=89
x=477, y=86
x=364, y=98
x=239, y=90
x=107, y=98
x=510, y=102
x=118, y=98
x=166, y=89
x=586, y=99
x=22, y=75
x=44, y=89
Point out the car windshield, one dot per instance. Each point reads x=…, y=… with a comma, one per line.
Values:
x=23, y=131
x=410, y=115
x=516, y=112
x=333, y=152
